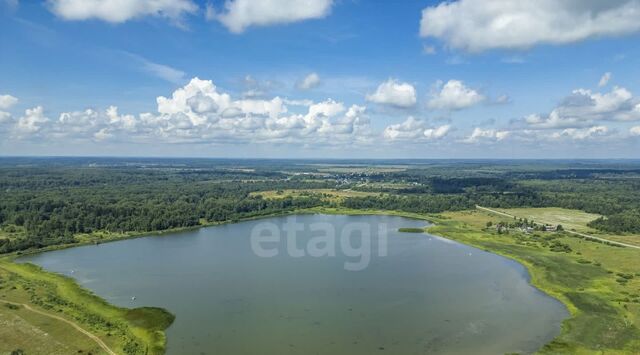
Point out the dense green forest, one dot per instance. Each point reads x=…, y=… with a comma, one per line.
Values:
x=49, y=201
x=53, y=204
x=623, y=222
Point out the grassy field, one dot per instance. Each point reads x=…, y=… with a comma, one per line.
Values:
x=328, y=194
x=630, y=238
x=21, y=329
x=51, y=296
x=569, y=219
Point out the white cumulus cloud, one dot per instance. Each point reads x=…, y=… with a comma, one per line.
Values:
x=118, y=11
x=581, y=133
x=635, y=131
x=7, y=101
x=410, y=128
x=488, y=135
x=394, y=93
x=437, y=132
x=238, y=15
x=583, y=107
x=414, y=129
x=453, y=95
x=604, y=80
x=309, y=82
x=199, y=112
x=102, y=134
x=478, y=25
x=32, y=121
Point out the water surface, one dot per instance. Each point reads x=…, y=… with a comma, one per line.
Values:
x=427, y=295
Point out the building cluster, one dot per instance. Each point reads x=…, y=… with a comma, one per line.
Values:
x=526, y=226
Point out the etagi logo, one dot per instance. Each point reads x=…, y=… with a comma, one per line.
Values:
x=353, y=240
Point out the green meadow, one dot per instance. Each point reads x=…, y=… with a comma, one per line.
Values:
x=40, y=307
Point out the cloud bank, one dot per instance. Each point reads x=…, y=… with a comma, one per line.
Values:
x=199, y=112
x=585, y=107
x=238, y=15
x=118, y=11
x=479, y=25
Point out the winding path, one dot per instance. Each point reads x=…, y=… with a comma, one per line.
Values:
x=568, y=231
x=77, y=327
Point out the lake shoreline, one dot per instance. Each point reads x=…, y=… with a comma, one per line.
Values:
x=535, y=273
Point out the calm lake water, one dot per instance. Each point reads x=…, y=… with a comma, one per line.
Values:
x=424, y=294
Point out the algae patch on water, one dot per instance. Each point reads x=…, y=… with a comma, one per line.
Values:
x=411, y=230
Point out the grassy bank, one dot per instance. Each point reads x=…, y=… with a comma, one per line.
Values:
x=130, y=331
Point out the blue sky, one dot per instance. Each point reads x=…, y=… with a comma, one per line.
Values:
x=404, y=79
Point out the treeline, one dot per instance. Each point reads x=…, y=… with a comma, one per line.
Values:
x=435, y=203
x=610, y=191
x=36, y=178
x=52, y=204
x=417, y=204
x=130, y=201
x=55, y=220
x=618, y=201
x=625, y=222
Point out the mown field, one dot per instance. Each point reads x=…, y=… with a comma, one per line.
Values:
x=570, y=219
x=326, y=194
x=33, y=333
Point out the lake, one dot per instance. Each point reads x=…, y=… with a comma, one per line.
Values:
x=372, y=290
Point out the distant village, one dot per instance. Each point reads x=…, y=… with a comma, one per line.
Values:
x=524, y=225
